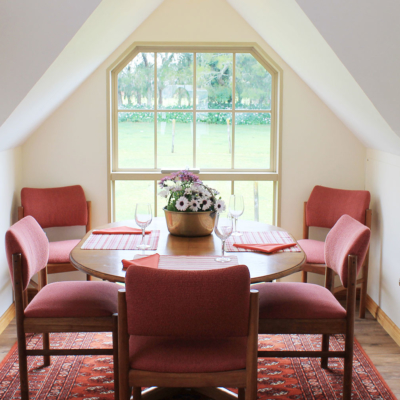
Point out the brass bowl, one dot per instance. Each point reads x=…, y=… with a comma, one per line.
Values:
x=190, y=224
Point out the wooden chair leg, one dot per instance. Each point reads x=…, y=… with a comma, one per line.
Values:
x=241, y=394
x=23, y=367
x=324, y=347
x=46, y=346
x=363, y=292
x=115, y=358
x=304, y=276
x=88, y=277
x=348, y=371
x=137, y=393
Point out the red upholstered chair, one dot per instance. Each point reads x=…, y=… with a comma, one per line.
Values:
x=58, y=307
x=304, y=308
x=324, y=207
x=188, y=329
x=57, y=207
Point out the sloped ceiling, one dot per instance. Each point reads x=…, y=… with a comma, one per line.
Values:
x=365, y=35
x=60, y=73
x=32, y=35
x=286, y=28
x=325, y=64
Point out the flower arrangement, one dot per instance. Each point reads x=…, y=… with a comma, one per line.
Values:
x=187, y=193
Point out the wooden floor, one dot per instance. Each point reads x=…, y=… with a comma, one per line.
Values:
x=380, y=347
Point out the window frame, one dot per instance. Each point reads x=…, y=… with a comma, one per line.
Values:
x=272, y=174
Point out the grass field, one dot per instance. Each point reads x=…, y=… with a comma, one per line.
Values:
x=136, y=150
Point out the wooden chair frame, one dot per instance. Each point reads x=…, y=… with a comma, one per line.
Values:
x=320, y=268
x=48, y=325
x=206, y=383
x=326, y=327
x=61, y=267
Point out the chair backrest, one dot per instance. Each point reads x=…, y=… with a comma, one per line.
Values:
x=326, y=205
x=63, y=206
x=347, y=237
x=27, y=238
x=188, y=304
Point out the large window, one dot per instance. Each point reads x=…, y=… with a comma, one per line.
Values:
x=211, y=111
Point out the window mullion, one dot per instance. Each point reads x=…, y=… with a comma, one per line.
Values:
x=194, y=109
x=233, y=111
x=155, y=110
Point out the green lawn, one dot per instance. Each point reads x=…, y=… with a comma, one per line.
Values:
x=136, y=150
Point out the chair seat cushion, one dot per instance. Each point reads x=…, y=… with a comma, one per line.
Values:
x=292, y=300
x=314, y=250
x=59, y=251
x=171, y=354
x=74, y=300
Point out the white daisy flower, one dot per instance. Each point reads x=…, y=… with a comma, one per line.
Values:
x=219, y=206
x=194, y=205
x=188, y=191
x=205, y=204
x=182, y=203
x=177, y=188
x=163, y=193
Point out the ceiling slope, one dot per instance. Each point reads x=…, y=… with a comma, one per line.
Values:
x=365, y=35
x=286, y=28
x=32, y=35
x=105, y=29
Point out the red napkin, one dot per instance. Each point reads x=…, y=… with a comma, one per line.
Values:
x=120, y=230
x=265, y=248
x=149, y=261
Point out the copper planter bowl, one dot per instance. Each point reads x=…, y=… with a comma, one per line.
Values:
x=190, y=224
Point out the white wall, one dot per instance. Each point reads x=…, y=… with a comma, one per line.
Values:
x=10, y=181
x=382, y=180
x=70, y=146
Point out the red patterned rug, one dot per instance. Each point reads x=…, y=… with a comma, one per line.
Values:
x=91, y=377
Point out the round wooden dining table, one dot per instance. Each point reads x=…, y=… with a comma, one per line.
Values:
x=107, y=265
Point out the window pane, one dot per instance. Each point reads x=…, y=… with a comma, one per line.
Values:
x=252, y=140
x=223, y=187
x=175, y=80
x=261, y=193
x=253, y=84
x=136, y=83
x=213, y=140
x=214, y=81
x=174, y=140
x=135, y=140
x=128, y=193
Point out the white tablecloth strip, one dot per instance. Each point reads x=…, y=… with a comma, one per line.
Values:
x=193, y=262
x=120, y=242
x=275, y=237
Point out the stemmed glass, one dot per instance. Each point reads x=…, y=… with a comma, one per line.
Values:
x=143, y=218
x=223, y=229
x=236, y=209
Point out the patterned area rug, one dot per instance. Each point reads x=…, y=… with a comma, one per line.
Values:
x=286, y=378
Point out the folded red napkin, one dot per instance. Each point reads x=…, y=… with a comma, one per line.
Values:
x=149, y=261
x=120, y=230
x=265, y=248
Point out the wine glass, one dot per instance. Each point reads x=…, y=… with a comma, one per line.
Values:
x=236, y=209
x=143, y=218
x=223, y=229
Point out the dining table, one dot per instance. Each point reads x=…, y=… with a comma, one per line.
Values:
x=106, y=264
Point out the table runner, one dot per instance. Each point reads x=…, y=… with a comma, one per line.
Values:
x=261, y=238
x=120, y=242
x=192, y=262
